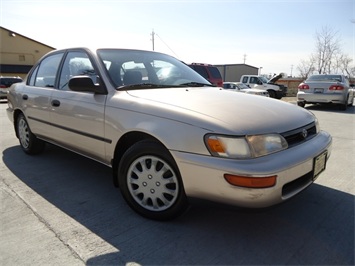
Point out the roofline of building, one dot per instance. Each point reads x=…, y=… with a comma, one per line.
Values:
x=11, y=31
x=222, y=65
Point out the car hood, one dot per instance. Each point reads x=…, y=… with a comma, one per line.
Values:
x=253, y=90
x=221, y=110
x=274, y=79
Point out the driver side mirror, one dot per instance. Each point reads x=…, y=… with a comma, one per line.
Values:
x=85, y=84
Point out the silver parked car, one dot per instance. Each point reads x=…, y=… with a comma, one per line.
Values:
x=167, y=133
x=241, y=87
x=325, y=89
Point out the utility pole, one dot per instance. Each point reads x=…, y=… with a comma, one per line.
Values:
x=153, y=33
x=291, y=70
x=245, y=58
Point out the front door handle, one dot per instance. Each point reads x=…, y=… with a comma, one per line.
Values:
x=55, y=103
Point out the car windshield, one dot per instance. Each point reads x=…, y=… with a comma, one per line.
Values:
x=242, y=86
x=134, y=69
x=263, y=79
x=325, y=78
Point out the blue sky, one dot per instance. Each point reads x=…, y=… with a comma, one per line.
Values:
x=272, y=34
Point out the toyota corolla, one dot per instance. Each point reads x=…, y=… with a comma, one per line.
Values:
x=166, y=132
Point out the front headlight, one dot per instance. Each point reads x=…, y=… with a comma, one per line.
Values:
x=245, y=147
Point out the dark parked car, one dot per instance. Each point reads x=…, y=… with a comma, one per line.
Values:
x=209, y=72
x=5, y=83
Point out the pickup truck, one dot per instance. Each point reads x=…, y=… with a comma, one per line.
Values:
x=259, y=82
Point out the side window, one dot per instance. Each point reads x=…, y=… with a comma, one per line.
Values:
x=76, y=64
x=215, y=72
x=45, y=74
x=253, y=80
x=202, y=71
x=32, y=79
x=245, y=80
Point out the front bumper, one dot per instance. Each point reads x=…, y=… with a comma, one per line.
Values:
x=203, y=176
x=280, y=94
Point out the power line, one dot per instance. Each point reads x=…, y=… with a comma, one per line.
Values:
x=155, y=34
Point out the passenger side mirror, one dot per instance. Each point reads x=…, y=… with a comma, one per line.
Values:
x=85, y=84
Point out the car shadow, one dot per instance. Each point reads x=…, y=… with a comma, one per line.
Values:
x=330, y=108
x=314, y=228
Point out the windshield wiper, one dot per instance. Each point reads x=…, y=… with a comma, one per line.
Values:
x=144, y=86
x=196, y=84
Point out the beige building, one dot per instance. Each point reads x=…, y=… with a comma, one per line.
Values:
x=233, y=72
x=19, y=53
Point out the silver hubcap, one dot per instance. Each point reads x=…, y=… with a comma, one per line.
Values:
x=24, y=133
x=152, y=183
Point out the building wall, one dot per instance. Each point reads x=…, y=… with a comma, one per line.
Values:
x=291, y=84
x=233, y=72
x=19, y=53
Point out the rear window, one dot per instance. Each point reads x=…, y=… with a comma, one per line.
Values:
x=201, y=70
x=215, y=72
x=325, y=78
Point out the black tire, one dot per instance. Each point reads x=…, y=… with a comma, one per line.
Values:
x=352, y=101
x=344, y=106
x=30, y=144
x=272, y=94
x=301, y=104
x=150, y=181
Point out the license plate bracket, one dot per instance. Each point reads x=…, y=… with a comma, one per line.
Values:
x=318, y=90
x=319, y=164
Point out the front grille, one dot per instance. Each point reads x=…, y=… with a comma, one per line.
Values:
x=300, y=135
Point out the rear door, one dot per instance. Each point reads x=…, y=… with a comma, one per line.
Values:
x=36, y=94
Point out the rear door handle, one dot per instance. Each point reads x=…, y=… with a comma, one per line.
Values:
x=55, y=103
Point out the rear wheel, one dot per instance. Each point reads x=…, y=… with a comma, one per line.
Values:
x=30, y=144
x=301, y=104
x=344, y=105
x=352, y=101
x=150, y=181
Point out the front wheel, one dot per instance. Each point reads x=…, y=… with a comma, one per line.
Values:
x=150, y=181
x=272, y=94
x=30, y=144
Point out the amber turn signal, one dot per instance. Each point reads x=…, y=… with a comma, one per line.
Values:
x=251, y=182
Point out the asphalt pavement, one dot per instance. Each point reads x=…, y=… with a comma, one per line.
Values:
x=59, y=208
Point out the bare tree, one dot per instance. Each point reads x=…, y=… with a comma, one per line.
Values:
x=345, y=65
x=327, y=57
x=306, y=67
x=327, y=46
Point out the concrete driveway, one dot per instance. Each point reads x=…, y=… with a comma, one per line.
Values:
x=59, y=208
